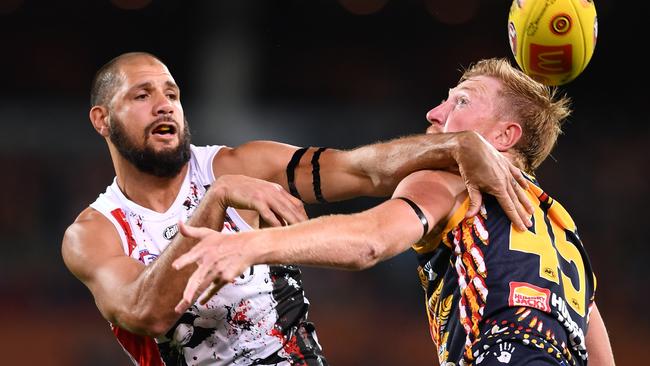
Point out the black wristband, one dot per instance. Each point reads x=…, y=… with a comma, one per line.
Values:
x=315, y=173
x=291, y=167
x=418, y=211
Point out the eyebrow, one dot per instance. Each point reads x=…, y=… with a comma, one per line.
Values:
x=149, y=85
x=470, y=88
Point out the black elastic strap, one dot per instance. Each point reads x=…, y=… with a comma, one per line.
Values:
x=315, y=173
x=291, y=170
x=418, y=211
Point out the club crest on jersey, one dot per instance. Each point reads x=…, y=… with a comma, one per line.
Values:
x=170, y=232
x=146, y=257
x=525, y=294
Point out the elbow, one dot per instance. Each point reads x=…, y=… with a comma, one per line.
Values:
x=147, y=322
x=369, y=256
x=382, y=182
x=158, y=328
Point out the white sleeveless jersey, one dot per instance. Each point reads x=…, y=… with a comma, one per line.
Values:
x=257, y=320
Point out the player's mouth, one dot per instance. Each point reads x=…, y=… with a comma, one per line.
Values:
x=164, y=129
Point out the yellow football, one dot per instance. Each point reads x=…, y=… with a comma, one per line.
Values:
x=552, y=40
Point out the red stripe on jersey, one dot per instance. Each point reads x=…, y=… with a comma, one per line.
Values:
x=143, y=350
x=118, y=214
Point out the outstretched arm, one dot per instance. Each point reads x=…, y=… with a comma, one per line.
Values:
x=376, y=169
x=355, y=241
x=141, y=298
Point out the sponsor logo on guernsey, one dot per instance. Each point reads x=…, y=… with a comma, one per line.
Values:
x=145, y=257
x=576, y=334
x=525, y=294
x=170, y=232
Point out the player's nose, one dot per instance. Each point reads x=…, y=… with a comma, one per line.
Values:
x=163, y=105
x=438, y=115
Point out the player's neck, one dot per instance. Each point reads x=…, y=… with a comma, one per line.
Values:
x=154, y=193
x=514, y=158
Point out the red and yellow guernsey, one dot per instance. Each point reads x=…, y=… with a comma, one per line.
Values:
x=487, y=283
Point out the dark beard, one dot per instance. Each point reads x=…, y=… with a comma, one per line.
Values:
x=163, y=164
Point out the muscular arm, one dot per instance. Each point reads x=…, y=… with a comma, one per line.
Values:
x=376, y=169
x=141, y=298
x=355, y=241
x=598, y=345
x=361, y=240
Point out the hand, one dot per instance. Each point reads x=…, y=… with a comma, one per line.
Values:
x=483, y=168
x=275, y=205
x=220, y=259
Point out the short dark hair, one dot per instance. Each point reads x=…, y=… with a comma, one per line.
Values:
x=106, y=78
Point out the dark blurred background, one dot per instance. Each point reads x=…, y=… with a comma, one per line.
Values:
x=312, y=73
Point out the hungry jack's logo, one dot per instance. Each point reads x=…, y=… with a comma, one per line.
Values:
x=525, y=294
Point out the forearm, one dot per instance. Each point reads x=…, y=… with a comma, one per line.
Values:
x=386, y=164
x=353, y=242
x=159, y=287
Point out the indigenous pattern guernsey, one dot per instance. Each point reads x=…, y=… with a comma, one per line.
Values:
x=260, y=319
x=487, y=284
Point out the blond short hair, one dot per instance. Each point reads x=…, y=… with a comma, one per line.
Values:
x=538, y=108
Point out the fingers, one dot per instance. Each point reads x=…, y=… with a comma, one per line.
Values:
x=525, y=201
x=194, y=232
x=269, y=216
x=206, y=238
x=205, y=296
x=181, y=306
x=475, y=201
x=211, y=291
x=191, y=256
x=519, y=176
x=292, y=207
x=515, y=196
x=194, y=286
x=520, y=186
x=511, y=208
x=282, y=208
x=511, y=211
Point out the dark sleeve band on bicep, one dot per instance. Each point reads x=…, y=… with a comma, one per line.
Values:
x=315, y=173
x=418, y=211
x=291, y=170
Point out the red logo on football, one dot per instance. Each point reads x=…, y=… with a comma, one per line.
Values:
x=551, y=59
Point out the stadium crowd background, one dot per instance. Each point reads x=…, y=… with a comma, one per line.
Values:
x=312, y=73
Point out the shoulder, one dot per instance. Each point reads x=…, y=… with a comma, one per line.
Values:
x=88, y=239
x=437, y=193
x=205, y=150
x=256, y=149
x=259, y=159
x=422, y=182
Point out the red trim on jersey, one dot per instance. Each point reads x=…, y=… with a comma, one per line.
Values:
x=143, y=350
x=118, y=214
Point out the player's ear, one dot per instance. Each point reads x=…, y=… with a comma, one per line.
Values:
x=99, y=118
x=509, y=133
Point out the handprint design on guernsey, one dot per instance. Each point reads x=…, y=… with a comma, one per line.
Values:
x=505, y=352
